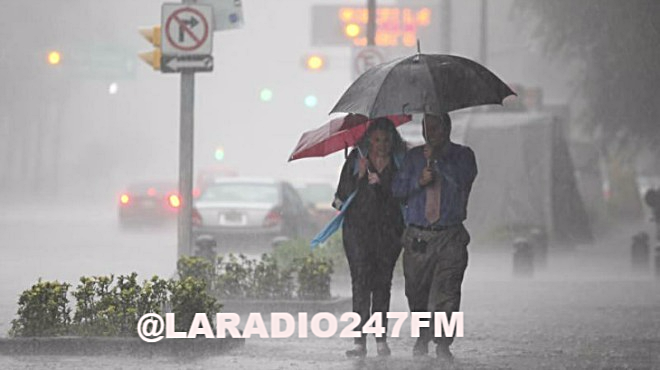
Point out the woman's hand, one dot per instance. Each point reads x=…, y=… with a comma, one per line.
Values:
x=373, y=178
x=363, y=163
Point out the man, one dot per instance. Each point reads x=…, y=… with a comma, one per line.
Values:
x=434, y=184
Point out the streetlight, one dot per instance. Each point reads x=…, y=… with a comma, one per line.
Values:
x=54, y=57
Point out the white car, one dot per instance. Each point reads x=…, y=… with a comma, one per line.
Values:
x=247, y=210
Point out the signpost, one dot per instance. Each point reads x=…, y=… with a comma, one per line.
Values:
x=184, y=45
x=187, y=43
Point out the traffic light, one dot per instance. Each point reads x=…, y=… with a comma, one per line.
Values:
x=219, y=154
x=153, y=58
x=266, y=95
x=314, y=62
x=54, y=57
x=311, y=101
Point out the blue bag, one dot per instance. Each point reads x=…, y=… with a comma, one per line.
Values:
x=333, y=225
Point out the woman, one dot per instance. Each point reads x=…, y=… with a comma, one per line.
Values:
x=372, y=225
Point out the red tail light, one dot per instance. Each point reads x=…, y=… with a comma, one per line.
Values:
x=196, y=218
x=124, y=199
x=273, y=218
x=174, y=201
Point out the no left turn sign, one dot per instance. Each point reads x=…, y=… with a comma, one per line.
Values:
x=187, y=29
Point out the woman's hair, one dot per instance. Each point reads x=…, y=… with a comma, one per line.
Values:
x=386, y=125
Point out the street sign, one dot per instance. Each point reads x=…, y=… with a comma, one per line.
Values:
x=227, y=14
x=396, y=26
x=187, y=29
x=365, y=58
x=189, y=63
x=185, y=46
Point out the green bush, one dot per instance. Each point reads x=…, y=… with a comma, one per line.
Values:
x=107, y=309
x=241, y=277
x=235, y=276
x=200, y=268
x=154, y=296
x=42, y=311
x=104, y=306
x=189, y=296
x=314, y=277
x=94, y=306
x=271, y=282
x=333, y=249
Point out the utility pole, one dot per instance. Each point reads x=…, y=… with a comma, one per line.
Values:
x=371, y=23
x=445, y=24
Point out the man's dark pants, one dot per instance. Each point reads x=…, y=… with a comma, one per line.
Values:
x=434, y=263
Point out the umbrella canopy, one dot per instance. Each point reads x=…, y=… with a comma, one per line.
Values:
x=422, y=83
x=337, y=134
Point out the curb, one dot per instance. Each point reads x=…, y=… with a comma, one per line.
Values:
x=101, y=346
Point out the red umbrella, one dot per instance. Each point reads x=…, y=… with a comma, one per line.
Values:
x=337, y=134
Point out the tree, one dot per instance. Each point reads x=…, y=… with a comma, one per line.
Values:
x=617, y=43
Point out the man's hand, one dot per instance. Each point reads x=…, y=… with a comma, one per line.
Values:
x=428, y=152
x=373, y=178
x=362, y=166
x=426, y=176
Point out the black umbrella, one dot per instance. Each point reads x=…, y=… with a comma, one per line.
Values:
x=422, y=83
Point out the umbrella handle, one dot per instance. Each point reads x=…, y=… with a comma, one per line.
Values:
x=360, y=151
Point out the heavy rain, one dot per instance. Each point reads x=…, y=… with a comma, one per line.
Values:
x=172, y=158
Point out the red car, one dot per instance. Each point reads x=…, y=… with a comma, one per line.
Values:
x=148, y=203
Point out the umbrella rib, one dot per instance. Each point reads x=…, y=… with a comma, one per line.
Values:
x=434, y=91
x=380, y=89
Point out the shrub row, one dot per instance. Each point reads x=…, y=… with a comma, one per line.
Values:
x=238, y=277
x=112, y=306
x=108, y=306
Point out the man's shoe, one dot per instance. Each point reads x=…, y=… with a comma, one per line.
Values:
x=383, y=349
x=359, y=351
x=443, y=353
x=421, y=348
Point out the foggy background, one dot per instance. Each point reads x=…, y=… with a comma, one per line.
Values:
x=65, y=135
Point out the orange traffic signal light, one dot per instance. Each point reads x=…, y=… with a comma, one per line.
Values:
x=153, y=35
x=314, y=62
x=54, y=57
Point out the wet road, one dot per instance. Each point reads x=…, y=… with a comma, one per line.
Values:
x=587, y=310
